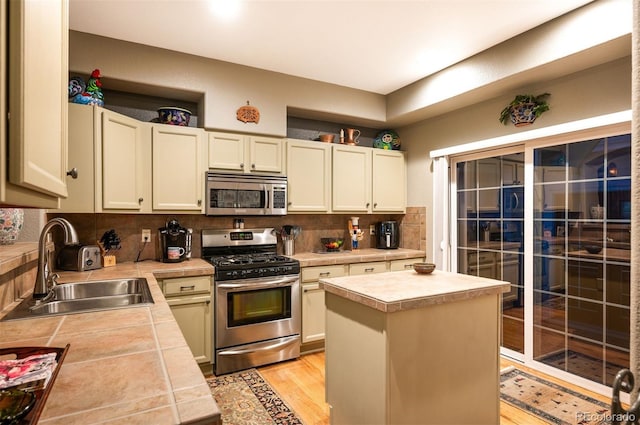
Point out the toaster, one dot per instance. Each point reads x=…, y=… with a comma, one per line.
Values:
x=79, y=258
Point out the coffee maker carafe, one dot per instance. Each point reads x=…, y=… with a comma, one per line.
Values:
x=175, y=242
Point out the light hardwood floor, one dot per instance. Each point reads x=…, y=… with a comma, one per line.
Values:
x=300, y=383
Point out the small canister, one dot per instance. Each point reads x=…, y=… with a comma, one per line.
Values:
x=288, y=247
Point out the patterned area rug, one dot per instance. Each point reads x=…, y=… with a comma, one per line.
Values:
x=245, y=398
x=583, y=365
x=551, y=402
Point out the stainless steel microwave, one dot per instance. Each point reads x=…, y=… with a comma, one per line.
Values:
x=239, y=194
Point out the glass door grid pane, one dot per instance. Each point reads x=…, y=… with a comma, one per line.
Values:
x=490, y=226
x=581, y=256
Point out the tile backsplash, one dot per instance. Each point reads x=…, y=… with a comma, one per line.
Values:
x=91, y=227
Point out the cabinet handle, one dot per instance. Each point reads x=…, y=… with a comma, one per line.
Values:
x=253, y=166
x=368, y=203
x=408, y=266
x=187, y=288
x=140, y=200
x=369, y=270
x=73, y=173
x=324, y=274
x=242, y=165
x=199, y=202
x=375, y=205
x=289, y=203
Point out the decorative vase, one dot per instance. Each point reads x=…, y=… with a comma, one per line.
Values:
x=11, y=220
x=522, y=114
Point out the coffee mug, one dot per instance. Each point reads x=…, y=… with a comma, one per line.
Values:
x=175, y=252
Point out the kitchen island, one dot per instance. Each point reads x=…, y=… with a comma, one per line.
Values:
x=129, y=365
x=403, y=347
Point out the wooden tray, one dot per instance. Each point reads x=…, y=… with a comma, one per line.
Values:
x=43, y=393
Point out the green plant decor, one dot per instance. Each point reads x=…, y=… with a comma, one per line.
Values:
x=524, y=109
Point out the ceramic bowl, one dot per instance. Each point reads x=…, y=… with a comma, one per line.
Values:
x=327, y=138
x=593, y=249
x=174, y=116
x=332, y=244
x=424, y=268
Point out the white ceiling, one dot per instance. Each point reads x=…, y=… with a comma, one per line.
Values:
x=373, y=45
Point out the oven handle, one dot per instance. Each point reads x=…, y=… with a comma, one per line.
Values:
x=259, y=283
x=281, y=342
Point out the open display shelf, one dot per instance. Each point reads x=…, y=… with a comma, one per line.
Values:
x=41, y=393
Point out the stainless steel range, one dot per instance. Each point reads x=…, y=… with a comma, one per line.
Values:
x=257, y=299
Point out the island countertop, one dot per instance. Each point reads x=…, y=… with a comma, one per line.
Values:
x=406, y=290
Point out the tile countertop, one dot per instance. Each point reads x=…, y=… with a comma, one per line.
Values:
x=309, y=259
x=128, y=365
x=406, y=290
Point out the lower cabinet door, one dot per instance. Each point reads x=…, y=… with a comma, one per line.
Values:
x=193, y=315
x=313, y=312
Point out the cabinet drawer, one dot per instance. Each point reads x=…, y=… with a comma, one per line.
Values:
x=187, y=285
x=481, y=257
x=397, y=265
x=367, y=268
x=311, y=274
x=510, y=258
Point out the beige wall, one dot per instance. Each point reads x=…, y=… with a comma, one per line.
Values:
x=597, y=91
x=220, y=87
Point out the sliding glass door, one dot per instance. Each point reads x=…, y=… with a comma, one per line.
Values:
x=568, y=306
x=582, y=211
x=490, y=231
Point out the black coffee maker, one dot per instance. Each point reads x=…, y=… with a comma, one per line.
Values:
x=175, y=242
x=387, y=235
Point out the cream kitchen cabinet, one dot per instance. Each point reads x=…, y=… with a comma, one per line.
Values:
x=112, y=156
x=389, y=178
x=313, y=310
x=309, y=176
x=367, y=268
x=313, y=300
x=407, y=264
x=512, y=173
x=33, y=141
x=245, y=154
x=351, y=186
x=178, y=168
x=489, y=182
x=190, y=300
x=368, y=180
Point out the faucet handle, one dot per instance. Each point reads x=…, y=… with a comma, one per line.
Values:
x=53, y=280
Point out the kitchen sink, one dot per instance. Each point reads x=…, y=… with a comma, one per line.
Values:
x=81, y=297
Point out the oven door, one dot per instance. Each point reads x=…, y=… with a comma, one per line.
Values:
x=252, y=310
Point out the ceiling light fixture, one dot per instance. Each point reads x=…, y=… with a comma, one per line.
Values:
x=225, y=9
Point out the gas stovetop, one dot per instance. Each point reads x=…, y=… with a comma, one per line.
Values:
x=245, y=254
x=251, y=260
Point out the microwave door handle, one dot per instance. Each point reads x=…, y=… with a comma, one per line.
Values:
x=266, y=196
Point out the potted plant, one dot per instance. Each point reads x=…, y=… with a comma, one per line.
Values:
x=524, y=109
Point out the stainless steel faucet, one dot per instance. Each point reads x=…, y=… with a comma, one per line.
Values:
x=43, y=277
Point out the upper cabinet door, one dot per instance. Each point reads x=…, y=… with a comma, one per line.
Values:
x=265, y=155
x=123, y=158
x=38, y=80
x=389, y=181
x=178, y=173
x=351, y=179
x=226, y=151
x=309, y=176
